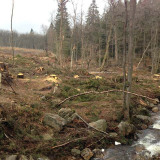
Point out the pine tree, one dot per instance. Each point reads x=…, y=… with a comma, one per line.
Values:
x=62, y=30
x=92, y=30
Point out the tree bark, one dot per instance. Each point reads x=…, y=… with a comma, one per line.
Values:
x=12, y=43
x=130, y=56
x=106, y=56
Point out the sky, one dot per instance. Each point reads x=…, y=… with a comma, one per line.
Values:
x=35, y=13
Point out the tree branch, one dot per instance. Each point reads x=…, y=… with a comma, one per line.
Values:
x=95, y=92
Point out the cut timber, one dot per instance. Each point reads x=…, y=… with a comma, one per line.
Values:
x=20, y=75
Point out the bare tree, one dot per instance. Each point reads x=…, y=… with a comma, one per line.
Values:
x=130, y=55
x=12, y=43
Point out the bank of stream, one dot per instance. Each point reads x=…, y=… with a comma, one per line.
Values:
x=147, y=146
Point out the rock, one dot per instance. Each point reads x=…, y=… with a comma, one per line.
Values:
x=68, y=114
x=144, y=111
x=139, y=148
x=75, y=152
x=156, y=101
x=47, y=137
x=155, y=109
x=87, y=154
x=113, y=135
x=54, y=121
x=144, y=126
x=126, y=128
x=97, y=153
x=100, y=125
x=31, y=158
x=12, y=157
x=142, y=119
x=43, y=158
x=151, y=106
x=22, y=157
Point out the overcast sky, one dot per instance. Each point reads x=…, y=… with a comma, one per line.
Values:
x=33, y=13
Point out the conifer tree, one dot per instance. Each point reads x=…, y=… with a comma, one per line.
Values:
x=62, y=30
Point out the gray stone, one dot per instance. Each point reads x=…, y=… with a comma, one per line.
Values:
x=75, y=152
x=87, y=154
x=54, y=121
x=156, y=101
x=12, y=157
x=43, y=158
x=113, y=135
x=144, y=126
x=22, y=157
x=97, y=153
x=143, y=119
x=31, y=158
x=68, y=114
x=47, y=136
x=100, y=125
x=155, y=109
x=151, y=106
x=126, y=128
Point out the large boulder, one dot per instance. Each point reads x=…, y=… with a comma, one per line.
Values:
x=68, y=114
x=54, y=121
x=87, y=154
x=125, y=128
x=99, y=125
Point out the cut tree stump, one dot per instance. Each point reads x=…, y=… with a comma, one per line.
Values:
x=20, y=75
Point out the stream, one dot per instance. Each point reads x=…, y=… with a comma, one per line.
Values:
x=145, y=148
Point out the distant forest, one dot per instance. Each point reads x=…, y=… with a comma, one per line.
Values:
x=91, y=36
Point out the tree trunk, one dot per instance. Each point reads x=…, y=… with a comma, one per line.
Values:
x=12, y=43
x=124, y=57
x=106, y=56
x=130, y=56
x=116, y=45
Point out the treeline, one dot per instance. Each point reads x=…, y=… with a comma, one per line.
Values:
x=29, y=40
x=96, y=39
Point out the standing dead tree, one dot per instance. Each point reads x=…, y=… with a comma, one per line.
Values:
x=12, y=43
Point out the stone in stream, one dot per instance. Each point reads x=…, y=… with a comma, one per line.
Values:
x=54, y=121
x=156, y=101
x=99, y=125
x=11, y=157
x=144, y=126
x=68, y=114
x=126, y=128
x=143, y=119
x=97, y=153
x=87, y=154
x=155, y=109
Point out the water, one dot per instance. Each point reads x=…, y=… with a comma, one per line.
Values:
x=145, y=148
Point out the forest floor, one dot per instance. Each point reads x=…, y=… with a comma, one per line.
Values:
x=23, y=129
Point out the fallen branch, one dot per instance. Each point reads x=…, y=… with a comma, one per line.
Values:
x=64, y=144
x=95, y=92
